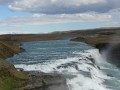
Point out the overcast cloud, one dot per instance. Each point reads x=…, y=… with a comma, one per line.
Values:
x=6, y=2
x=60, y=11
x=64, y=6
x=37, y=19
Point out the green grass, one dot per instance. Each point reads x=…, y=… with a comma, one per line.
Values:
x=10, y=80
x=8, y=83
x=8, y=50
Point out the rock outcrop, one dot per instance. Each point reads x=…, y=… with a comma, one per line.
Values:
x=107, y=41
x=113, y=54
x=45, y=81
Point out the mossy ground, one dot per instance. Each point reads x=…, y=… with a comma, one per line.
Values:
x=7, y=50
x=10, y=78
x=9, y=82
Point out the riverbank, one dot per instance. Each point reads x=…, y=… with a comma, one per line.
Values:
x=11, y=79
x=9, y=46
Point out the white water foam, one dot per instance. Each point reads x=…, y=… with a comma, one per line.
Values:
x=82, y=72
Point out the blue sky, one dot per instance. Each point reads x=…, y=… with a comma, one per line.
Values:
x=6, y=12
x=42, y=16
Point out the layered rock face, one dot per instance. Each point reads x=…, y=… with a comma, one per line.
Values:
x=45, y=81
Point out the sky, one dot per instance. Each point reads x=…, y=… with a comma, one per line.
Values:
x=43, y=16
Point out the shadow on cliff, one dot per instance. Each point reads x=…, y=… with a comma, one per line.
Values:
x=111, y=50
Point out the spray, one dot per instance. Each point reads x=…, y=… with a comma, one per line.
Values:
x=112, y=52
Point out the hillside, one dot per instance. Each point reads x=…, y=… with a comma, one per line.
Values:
x=10, y=78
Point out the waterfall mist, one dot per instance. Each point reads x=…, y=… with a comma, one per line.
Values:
x=112, y=51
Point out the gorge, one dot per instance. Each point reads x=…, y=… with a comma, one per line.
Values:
x=9, y=45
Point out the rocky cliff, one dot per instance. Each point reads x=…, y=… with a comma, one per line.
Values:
x=105, y=41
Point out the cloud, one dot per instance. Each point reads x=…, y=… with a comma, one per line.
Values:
x=115, y=11
x=6, y=2
x=38, y=19
x=64, y=6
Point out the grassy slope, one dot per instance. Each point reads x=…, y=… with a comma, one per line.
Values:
x=7, y=50
x=10, y=78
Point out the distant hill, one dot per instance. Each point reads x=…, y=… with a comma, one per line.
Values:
x=60, y=34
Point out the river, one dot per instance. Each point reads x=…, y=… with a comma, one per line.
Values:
x=81, y=64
